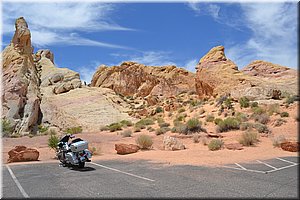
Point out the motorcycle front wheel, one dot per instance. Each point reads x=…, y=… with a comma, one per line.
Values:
x=81, y=164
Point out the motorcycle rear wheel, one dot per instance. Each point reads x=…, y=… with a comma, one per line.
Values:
x=81, y=164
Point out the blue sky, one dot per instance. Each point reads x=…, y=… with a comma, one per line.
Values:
x=84, y=35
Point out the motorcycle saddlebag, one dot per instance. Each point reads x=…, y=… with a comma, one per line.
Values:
x=79, y=146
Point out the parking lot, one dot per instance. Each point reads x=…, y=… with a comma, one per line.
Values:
x=276, y=177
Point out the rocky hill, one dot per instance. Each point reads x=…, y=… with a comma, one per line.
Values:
x=217, y=75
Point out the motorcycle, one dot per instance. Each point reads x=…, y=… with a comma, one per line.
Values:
x=74, y=153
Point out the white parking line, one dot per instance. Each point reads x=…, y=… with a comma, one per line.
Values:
x=17, y=182
x=240, y=166
x=122, y=172
x=287, y=161
x=266, y=164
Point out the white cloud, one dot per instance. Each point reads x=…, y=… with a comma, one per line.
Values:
x=204, y=9
x=87, y=72
x=273, y=38
x=52, y=23
x=191, y=65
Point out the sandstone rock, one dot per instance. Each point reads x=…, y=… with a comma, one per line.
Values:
x=234, y=146
x=22, y=153
x=171, y=143
x=290, y=146
x=216, y=76
x=21, y=95
x=138, y=80
x=126, y=148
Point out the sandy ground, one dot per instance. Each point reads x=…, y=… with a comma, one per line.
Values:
x=194, y=154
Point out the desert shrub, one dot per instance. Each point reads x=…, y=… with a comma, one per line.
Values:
x=245, y=126
x=278, y=140
x=42, y=128
x=162, y=130
x=144, y=122
x=242, y=117
x=159, y=109
x=290, y=99
x=144, y=141
x=164, y=124
x=196, y=138
x=104, y=128
x=227, y=124
x=160, y=120
x=244, y=102
x=254, y=104
x=74, y=130
x=215, y=144
x=180, y=128
x=279, y=122
x=126, y=133
x=204, y=140
x=115, y=127
x=7, y=128
x=228, y=103
x=53, y=141
x=150, y=128
x=181, y=110
x=209, y=118
x=261, y=128
x=249, y=138
x=181, y=117
x=258, y=110
x=195, y=102
x=125, y=123
x=273, y=108
x=217, y=121
x=284, y=114
x=193, y=125
x=261, y=118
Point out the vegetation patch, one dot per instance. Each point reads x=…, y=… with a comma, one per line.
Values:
x=159, y=109
x=7, y=129
x=115, y=127
x=209, y=118
x=144, y=141
x=162, y=130
x=74, y=130
x=215, y=144
x=53, y=141
x=227, y=124
x=284, y=114
x=244, y=102
x=126, y=123
x=278, y=140
x=249, y=138
x=42, y=129
x=261, y=118
x=126, y=133
x=261, y=128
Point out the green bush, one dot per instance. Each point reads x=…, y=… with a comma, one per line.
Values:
x=249, y=138
x=278, y=140
x=279, y=122
x=74, y=130
x=150, y=129
x=53, y=141
x=164, y=124
x=42, y=128
x=227, y=124
x=241, y=117
x=193, y=125
x=209, y=118
x=244, y=102
x=126, y=133
x=104, y=128
x=217, y=121
x=162, y=130
x=254, y=104
x=115, y=127
x=258, y=110
x=215, y=144
x=195, y=102
x=261, y=128
x=144, y=141
x=228, y=103
x=7, y=128
x=181, y=110
x=144, y=122
x=284, y=114
x=181, y=117
x=290, y=99
x=180, y=128
x=160, y=120
x=159, y=109
x=126, y=123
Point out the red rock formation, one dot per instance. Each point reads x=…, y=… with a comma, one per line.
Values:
x=290, y=146
x=133, y=79
x=126, y=148
x=22, y=153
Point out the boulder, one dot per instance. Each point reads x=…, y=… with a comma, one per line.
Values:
x=123, y=149
x=172, y=144
x=290, y=146
x=22, y=153
x=234, y=146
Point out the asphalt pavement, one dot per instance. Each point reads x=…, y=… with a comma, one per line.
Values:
x=274, y=178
